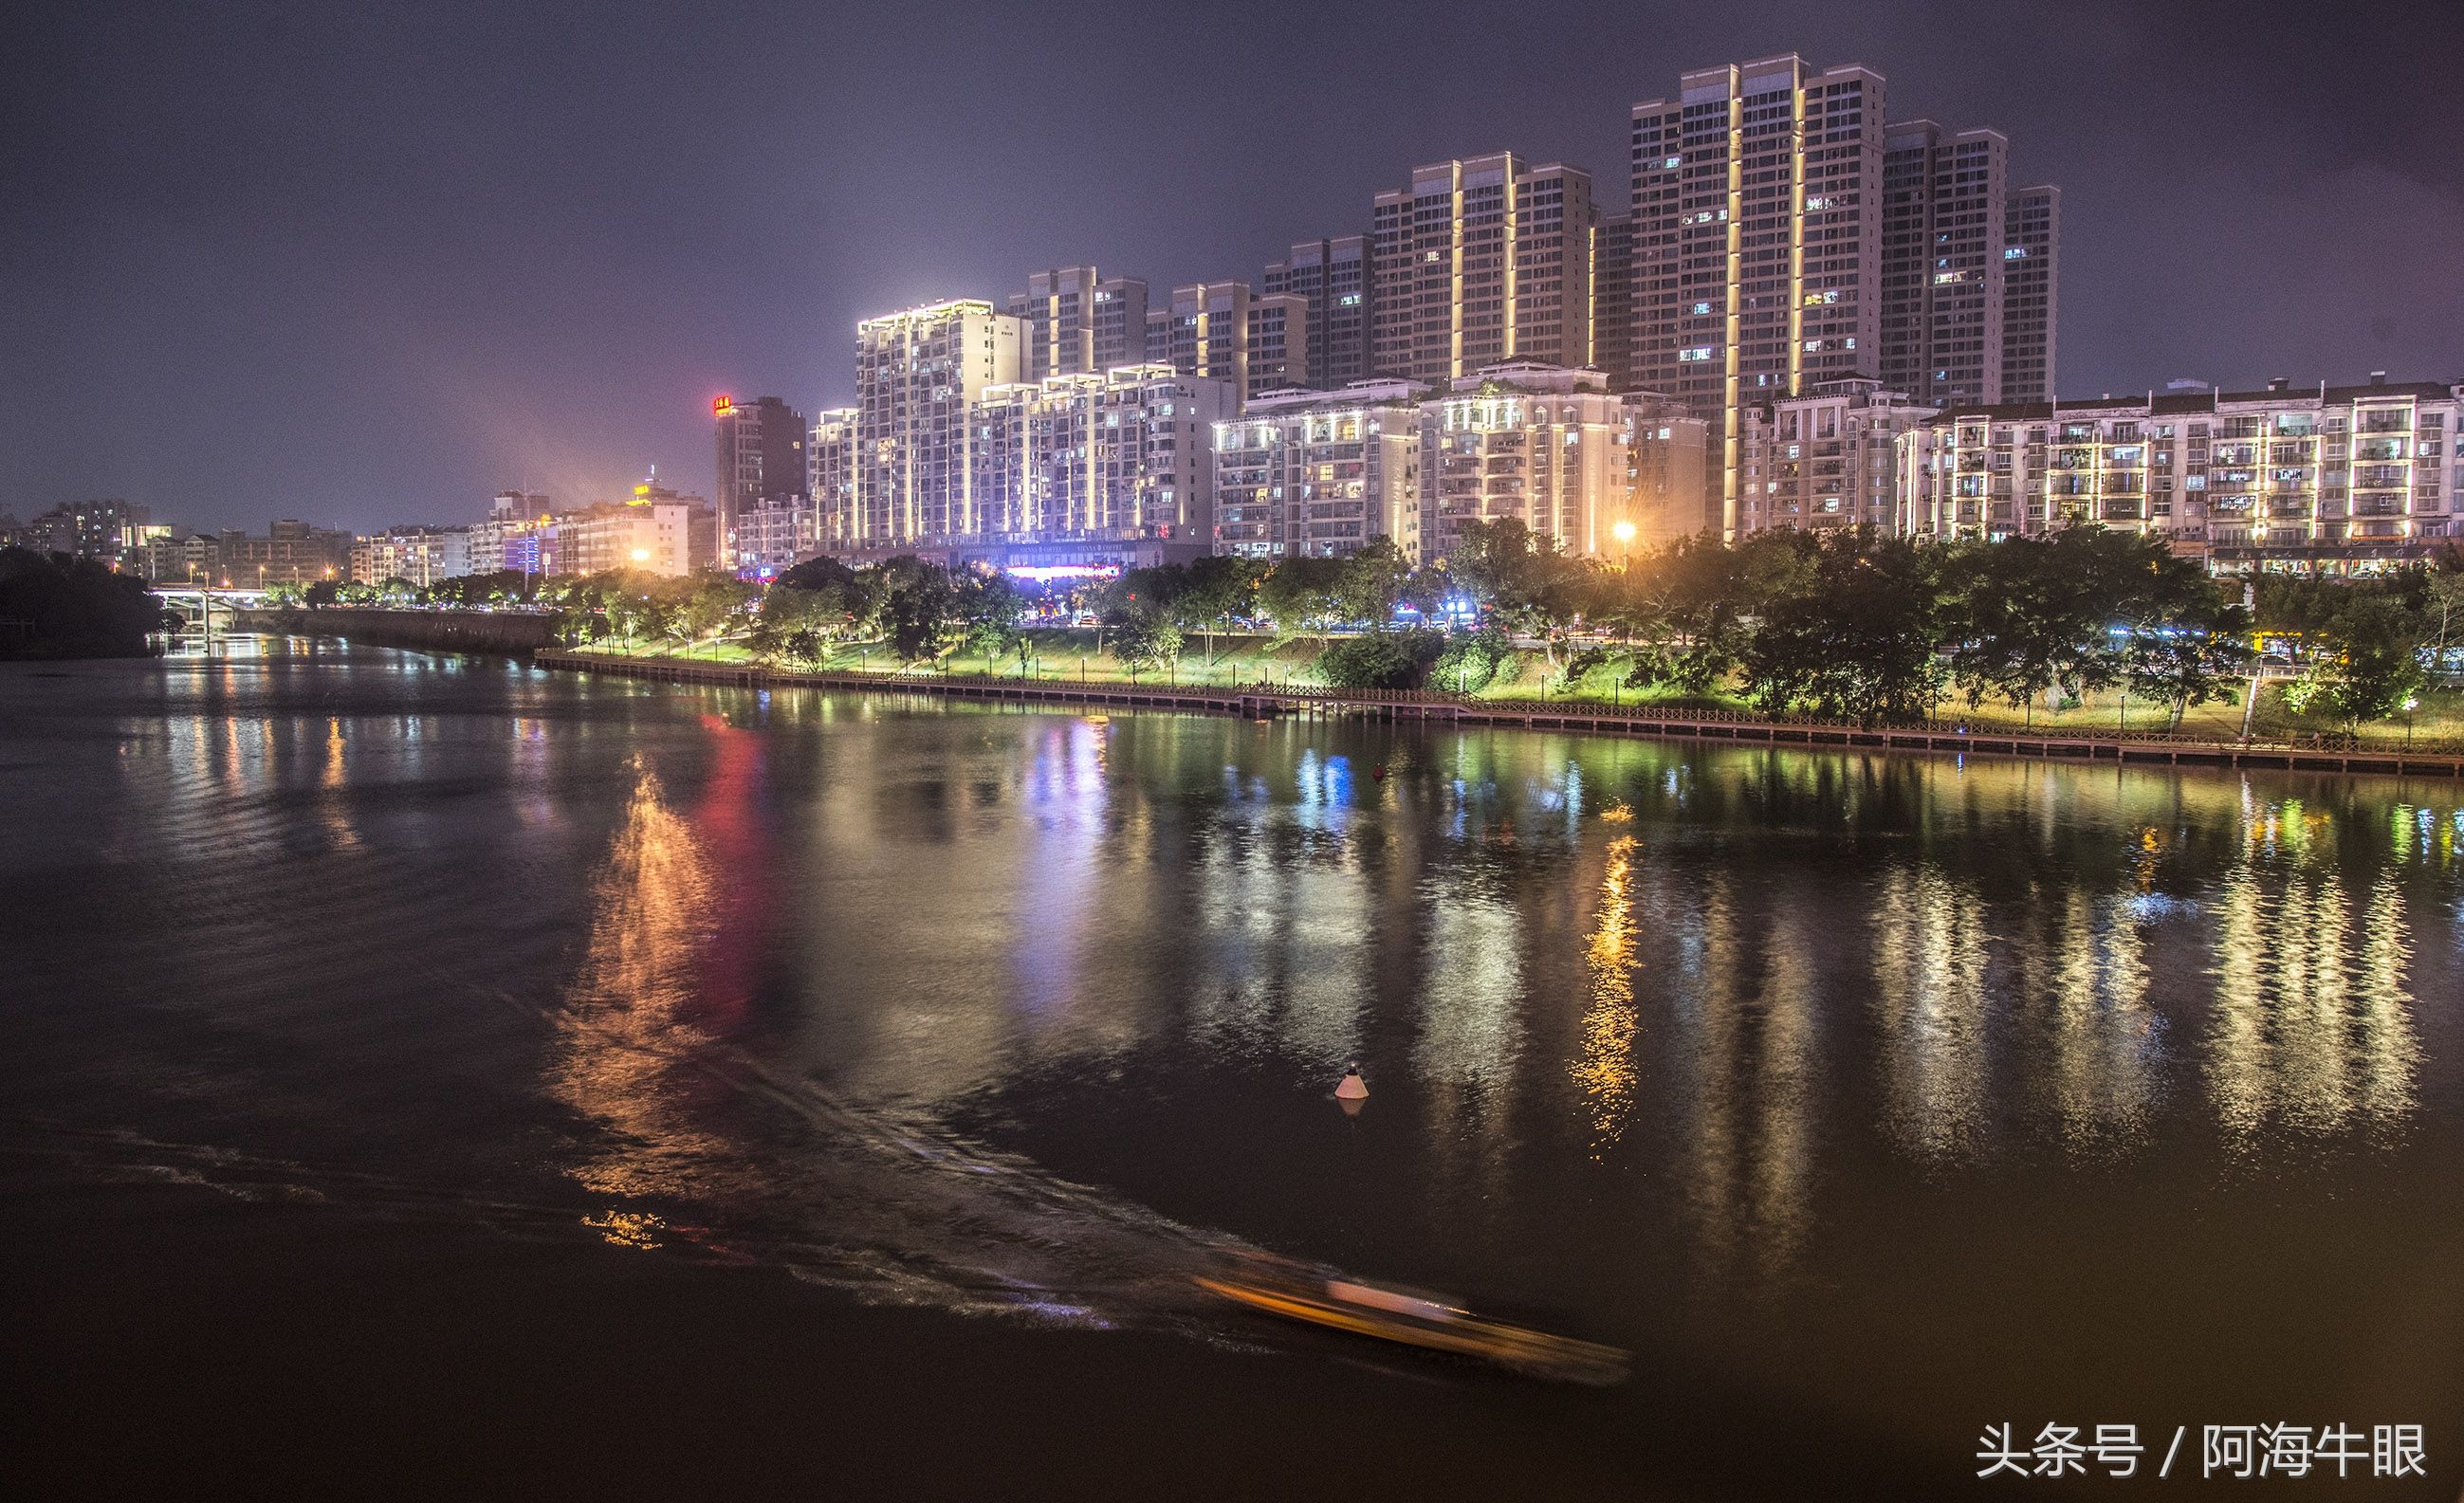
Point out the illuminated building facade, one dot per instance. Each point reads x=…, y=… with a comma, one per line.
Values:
x=918, y=373
x=2323, y=477
x=761, y=463
x=1829, y=459
x=773, y=536
x=1331, y=276
x=510, y=537
x=829, y=470
x=1480, y=262
x=1119, y=455
x=654, y=537
x=1785, y=238
x=1544, y=444
x=1320, y=473
x=1074, y=322
x=1757, y=241
x=416, y=555
x=1667, y=465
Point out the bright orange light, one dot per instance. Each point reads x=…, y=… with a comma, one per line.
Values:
x=722, y=406
x=641, y=555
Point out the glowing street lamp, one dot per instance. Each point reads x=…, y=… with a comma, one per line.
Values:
x=1623, y=533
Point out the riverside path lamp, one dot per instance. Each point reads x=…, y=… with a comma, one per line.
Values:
x=1623, y=533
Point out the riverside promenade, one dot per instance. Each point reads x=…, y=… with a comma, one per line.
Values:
x=1260, y=700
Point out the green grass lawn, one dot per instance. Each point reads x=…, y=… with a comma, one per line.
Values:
x=1063, y=654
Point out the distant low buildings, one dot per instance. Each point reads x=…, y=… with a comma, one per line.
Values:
x=657, y=532
x=108, y=532
x=290, y=553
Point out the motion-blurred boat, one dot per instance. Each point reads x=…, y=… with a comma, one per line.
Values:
x=1297, y=1291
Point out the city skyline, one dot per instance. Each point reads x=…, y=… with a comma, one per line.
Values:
x=169, y=262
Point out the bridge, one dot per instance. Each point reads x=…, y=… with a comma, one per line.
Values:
x=207, y=614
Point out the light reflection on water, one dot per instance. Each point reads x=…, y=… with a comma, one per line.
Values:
x=1026, y=997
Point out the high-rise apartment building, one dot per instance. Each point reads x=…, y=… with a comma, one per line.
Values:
x=1612, y=302
x=1757, y=237
x=1204, y=331
x=1479, y=262
x=761, y=463
x=1074, y=321
x=1828, y=459
x=1785, y=237
x=918, y=373
x=1945, y=195
x=2319, y=477
x=1318, y=474
x=2031, y=292
x=1278, y=342
x=829, y=470
x=1332, y=275
x=1118, y=455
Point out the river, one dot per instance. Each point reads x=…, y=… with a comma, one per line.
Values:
x=426, y=1071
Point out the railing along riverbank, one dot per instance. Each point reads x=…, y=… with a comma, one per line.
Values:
x=1260, y=700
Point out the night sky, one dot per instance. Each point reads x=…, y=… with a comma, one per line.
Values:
x=364, y=264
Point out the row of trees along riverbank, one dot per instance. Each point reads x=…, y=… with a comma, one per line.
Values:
x=56, y=606
x=2048, y=633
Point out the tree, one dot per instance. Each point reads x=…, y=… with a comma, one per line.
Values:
x=1302, y=592
x=1695, y=600
x=799, y=623
x=1386, y=660
x=919, y=606
x=1219, y=587
x=988, y=607
x=1525, y=583
x=718, y=604
x=1372, y=582
x=1148, y=642
x=56, y=607
x=2192, y=658
x=2373, y=665
x=2443, y=606
x=1857, y=638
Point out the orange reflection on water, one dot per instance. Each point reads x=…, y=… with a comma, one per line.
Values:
x=1606, y=1070
x=623, y=1029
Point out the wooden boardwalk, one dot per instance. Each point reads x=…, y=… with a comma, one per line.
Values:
x=1265, y=700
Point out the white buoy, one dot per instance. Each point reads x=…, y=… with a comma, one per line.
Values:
x=1351, y=1088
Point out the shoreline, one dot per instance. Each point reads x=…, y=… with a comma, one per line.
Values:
x=1262, y=701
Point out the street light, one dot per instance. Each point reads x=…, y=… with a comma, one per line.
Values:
x=1623, y=533
x=2410, y=704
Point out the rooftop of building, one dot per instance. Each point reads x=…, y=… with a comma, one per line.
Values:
x=2168, y=403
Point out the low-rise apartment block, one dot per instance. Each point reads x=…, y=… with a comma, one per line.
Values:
x=2321, y=477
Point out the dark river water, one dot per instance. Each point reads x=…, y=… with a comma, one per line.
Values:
x=431, y=1075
